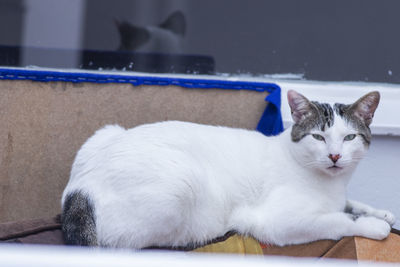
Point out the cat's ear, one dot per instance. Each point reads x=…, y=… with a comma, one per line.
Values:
x=176, y=23
x=364, y=108
x=131, y=36
x=300, y=106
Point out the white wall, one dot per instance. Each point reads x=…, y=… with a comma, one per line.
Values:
x=377, y=180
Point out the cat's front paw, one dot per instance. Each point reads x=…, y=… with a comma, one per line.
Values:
x=372, y=227
x=386, y=216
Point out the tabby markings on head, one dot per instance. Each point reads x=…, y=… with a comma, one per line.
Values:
x=347, y=113
x=322, y=116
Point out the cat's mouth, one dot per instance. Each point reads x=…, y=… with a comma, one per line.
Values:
x=334, y=168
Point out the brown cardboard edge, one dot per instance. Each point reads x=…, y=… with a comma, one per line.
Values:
x=385, y=250
x=343, y=249
x=19, y=229
x=310, y=250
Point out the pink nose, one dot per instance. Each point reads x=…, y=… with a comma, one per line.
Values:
x=335, y=157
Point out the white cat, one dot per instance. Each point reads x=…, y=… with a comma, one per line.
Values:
x=184, y=184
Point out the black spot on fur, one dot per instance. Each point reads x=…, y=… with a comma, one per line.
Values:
x=78, y=222
x=340, y=109
x=354, y=216
x=325, y=112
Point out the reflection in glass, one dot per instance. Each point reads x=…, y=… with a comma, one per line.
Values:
x=312, y=39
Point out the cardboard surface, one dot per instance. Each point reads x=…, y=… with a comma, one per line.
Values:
x=342, y=249
x=372, y=250
x=349, y=248
x=235, y=244
x=314, y=249
x=42, y=125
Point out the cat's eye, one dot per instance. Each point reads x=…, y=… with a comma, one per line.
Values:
x=318, y=137
x=349, y=137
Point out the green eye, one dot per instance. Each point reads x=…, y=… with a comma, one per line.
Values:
x=318, y=137
x=349, y=137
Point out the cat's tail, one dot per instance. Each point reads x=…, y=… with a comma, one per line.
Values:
x=78, y=221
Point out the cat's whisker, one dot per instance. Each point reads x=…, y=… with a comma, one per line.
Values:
x=314, y=163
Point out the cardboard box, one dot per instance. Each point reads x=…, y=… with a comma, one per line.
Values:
x=43, y=124
x=352, y=248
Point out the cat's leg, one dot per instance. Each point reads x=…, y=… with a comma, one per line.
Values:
x=360, y=209
x=317, y=227
x=296, y=226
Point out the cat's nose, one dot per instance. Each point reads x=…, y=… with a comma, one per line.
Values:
x=334, y=157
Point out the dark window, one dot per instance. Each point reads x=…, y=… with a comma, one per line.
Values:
x=338, y=40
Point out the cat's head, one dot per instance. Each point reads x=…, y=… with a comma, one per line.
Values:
x=166, y=37
x=331, y=138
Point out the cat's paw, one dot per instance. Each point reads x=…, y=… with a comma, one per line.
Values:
x=372, y=227
x=386, y=216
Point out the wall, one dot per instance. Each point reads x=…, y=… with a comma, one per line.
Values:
x=377, y=178
x=322, y=40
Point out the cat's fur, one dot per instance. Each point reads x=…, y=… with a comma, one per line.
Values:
x=179, y=184
x=164, y=38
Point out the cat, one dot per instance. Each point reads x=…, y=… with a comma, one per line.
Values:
x=164, y=38
x=177, y=184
